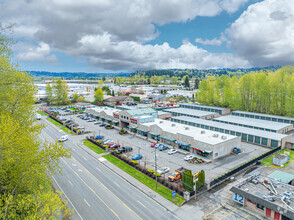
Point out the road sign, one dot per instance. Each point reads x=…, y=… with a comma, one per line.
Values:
x=174, y=193
x=195, y=180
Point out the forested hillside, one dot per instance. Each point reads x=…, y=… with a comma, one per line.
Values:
x=265, y=91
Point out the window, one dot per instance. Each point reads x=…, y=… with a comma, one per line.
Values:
x=216, y=154
x=258, y=206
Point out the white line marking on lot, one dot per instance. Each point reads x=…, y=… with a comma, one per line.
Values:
x=141, y=204
x=102, y=159
x=87, y=202
x=85, y=158
x=116, y=184
x=73, y=149
x=70, y=182
x=67, y=198
x=80, y=170
x=74, y=164
x=98, y=169
x=60, y=131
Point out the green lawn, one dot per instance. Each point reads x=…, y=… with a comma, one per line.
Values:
x=93, y=147
x=269, y=161
x=73, y=109
x=165, y=192
x=59, y=125
x=42, y=113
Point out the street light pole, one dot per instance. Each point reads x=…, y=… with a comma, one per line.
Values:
x=155, y=167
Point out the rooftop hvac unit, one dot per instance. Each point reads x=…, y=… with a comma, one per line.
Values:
x=173, y=125
x=224, y=137
x=161, y=122
x=215, y=135
x=186, y=128
x=202, y=132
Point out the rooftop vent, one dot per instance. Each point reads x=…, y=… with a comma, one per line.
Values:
x=173, y=125
x=187, y=128
x=161, y=122
x=215, y=135
x=202, y=132
x=224, y=137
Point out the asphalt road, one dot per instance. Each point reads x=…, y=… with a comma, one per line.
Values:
x=96, y=192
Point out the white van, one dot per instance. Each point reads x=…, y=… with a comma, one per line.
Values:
x=38, y=117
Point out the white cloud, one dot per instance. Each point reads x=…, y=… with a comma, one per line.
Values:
x=264, y=33
x=33, y=53
x=112, y=33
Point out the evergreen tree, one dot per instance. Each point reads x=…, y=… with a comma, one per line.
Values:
x=196, y=86
x=186, y=81
x=75, y=97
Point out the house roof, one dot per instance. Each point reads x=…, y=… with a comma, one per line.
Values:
x=117, y=98
x=140, y=111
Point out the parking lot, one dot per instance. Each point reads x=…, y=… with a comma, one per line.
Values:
x=141, y=145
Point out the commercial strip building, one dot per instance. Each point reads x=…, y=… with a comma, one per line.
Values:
x=266, y=117
x=264, y=125
x=191, y=113
x=266, y=196
x=219, y=110
x=105, y=114
x=208, y=144
x=250, y=135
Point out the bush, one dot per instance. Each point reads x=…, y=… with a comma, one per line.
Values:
x=105, y=146
x=158, y=175
x=99, y=142
x=135, y=162
x=150, y=171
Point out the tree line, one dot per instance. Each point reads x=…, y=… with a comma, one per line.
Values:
x=269, y=92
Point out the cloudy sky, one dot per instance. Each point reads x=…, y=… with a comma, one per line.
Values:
x=128, y=35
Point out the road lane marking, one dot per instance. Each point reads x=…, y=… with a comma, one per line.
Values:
x=245, y=217
x=102, y=159
x=97, y=169
x=85, y=158
x=74, y=164
x=73, y=149
x=67, y=197
x=92, y=190
x=80, y=170
x=141, y=204
x=108, y=189
x=87, y=202
x=228, y=213
x=116, y=183
x=70, y=182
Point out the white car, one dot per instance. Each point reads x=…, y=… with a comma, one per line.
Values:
x=172, y=151
x=63, y=138
x=163, y=170
x=189, y=157
x=38, y=117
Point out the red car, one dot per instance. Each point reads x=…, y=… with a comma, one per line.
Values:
x=153, y=144
x=114, y=145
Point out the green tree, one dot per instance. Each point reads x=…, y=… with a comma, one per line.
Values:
x=186, y=81
x=106, y=89
x=60, y=91
x=197, y=81
x=80, y=99
x=49, y=93
x=187, y=180
x=99, y=95
x=75, y=97
x=174, y=80
x=112, y=92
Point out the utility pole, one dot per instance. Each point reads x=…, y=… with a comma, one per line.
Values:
x=155, y=166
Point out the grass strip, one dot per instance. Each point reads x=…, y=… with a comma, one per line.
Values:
x=269, y=160
x=93, y=147
x=163, y=191
x=66, y=130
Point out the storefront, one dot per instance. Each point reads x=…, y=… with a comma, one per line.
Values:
x=182, y=146
x=167, y=140
x=142, y=132
x=154, y=136
x=201, y=152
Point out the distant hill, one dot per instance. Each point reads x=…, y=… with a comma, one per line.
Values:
x=77, y=75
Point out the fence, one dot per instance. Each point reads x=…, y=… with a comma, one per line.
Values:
x=222, y=178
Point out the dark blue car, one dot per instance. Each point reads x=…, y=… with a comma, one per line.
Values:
x=163, y=147
x=98, y=137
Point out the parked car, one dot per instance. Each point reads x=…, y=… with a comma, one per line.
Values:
x=137, y=157
x=153, y=144
x=102, y=125
x=189, y=157
x=114, y=145
x=63, y=119
x=91, y=120
x=158, y=145
x=38, y=117
x=172, y=151
x=124, y=149
x=63, y=138
x=97, y=122
x=177, y=175
x=163, y=170
x=105, y=140
x=98, y=137
x=164, y=147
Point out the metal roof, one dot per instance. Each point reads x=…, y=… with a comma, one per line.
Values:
x=281, y=176
x=140, y=111
x=204, y=106
x=272, y=125
x=250, y=131
x=188, y=111
x=264, y=115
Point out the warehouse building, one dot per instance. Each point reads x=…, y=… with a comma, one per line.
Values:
x=250, y=135
x=208, y=144
x=191, y=113
x=266, y=117
x=219, y=110
x=265, y=196
x=105, y=114
x=133, y=117
x=264, y=125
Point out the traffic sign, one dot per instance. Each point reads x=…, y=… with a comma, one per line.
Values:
x=174, y=193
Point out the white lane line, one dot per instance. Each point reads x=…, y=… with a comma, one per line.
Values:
x=116, y=184
x=98, y=169
x=70, y=182
x=67, y=198
x=87, y=202
x=141, y=204
x=80, y=170
x=74, y=164
x=85, y=158
x=73, y=149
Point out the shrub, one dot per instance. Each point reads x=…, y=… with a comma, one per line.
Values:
x=150, y=171
x=135, y=162
x=158, y=175
x=99, y=142
x=105, y=146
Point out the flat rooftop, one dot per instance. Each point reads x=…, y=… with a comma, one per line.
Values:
x=250, y=131
x=204, y=106
x=272, y=125
x=193, y=112
x=194, y=132
x=260, y=193
x=264, y=115
x=107, y=110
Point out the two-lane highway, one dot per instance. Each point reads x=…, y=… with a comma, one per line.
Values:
x=96, y=192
